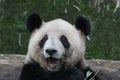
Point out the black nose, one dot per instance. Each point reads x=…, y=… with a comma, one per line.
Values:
x=51, y=51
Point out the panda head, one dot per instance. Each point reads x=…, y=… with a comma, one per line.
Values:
x=56, y=45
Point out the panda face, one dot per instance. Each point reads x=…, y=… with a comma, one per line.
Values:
x=56, y=45
x=54, y=51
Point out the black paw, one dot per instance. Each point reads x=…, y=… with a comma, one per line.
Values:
x=76, y=74
x=90, y=74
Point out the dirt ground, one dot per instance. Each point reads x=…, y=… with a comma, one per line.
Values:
x=10, y=67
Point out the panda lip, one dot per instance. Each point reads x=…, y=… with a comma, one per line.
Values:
x=53, y=63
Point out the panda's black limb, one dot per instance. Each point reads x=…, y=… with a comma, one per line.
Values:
x=32, y=71
x=90, y=74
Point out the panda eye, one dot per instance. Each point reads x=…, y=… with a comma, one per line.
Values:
x=42, y=42
x=64, y=41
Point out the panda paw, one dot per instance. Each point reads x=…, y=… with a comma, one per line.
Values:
x=90, y=74
x=76, y=74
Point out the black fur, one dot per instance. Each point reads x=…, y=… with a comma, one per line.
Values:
x=93, y=73
x=65, y=41
x=85, y=72
x=33, y=21
x=83, y=24
x=42, y=42
x=34, y=72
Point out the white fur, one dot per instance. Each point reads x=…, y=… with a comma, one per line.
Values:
x=54, y=29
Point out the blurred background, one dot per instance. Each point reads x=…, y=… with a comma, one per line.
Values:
x=104, y=16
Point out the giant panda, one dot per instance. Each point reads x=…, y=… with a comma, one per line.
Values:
x=56, y=49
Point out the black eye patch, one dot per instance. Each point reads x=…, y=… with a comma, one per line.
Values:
x=42, y=42
x=64, y=41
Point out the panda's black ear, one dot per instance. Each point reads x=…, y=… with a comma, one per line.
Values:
x=33, y=21
x=83, y=24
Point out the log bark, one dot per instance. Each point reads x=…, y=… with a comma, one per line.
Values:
x=10, y=67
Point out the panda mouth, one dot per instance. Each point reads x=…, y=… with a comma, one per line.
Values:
x=53, y=64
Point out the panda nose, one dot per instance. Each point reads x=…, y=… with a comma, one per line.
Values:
x=51, y=51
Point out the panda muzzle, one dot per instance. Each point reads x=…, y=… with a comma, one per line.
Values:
x=53, y=62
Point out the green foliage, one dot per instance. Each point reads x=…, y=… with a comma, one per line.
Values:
x=105, y=35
